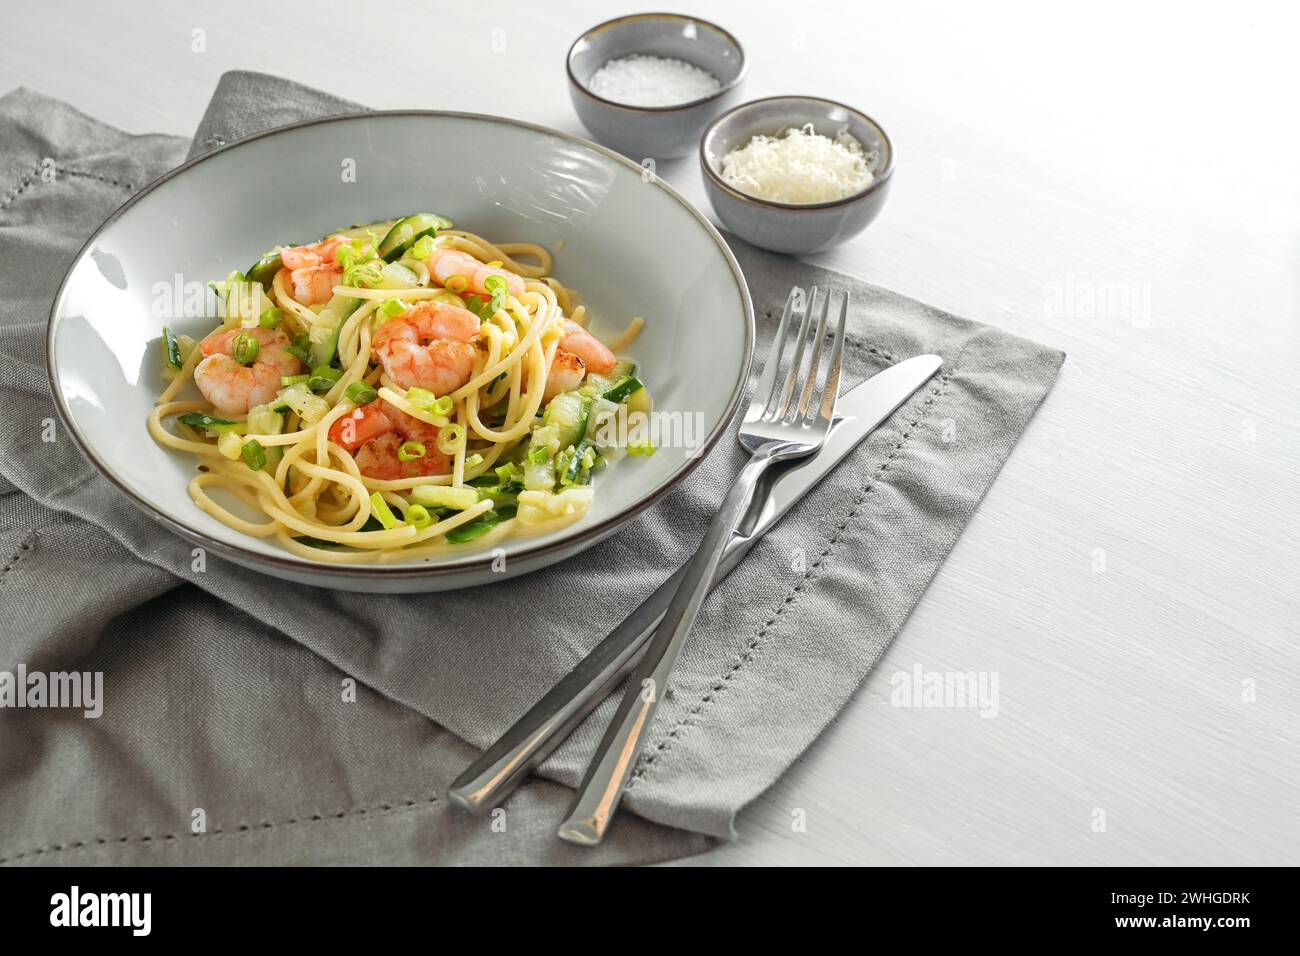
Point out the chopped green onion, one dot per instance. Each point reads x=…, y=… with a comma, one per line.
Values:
x=410, y=451
x=474, y=460
x=361, y=393
x=300, y=348
x=422, y=249
x=641, y=446
x=392, y=307
x=271, y=317
x=456, y=283
x=426, y=401
x=417, y=516
x=537, y=455
x=451, y=438
x=254, y=454
x=245, y=348
x=379, y=507
x=323, y=378
x=507, y=472
x=287, y=380
x=499, y=288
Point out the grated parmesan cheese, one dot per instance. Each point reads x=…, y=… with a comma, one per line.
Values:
x=799, y=166
x=640, y=80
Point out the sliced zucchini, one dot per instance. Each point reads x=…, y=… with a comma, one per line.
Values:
x=623, y=390
x=577, y=464
x=539, y=472
x=311, y=408
x=265, y=420
x=265, y=268
x=397, y=276
x=599, y=384
x=171, y=347
x=480, y=525
x=406, y=231
x=324, y=334
x=569, y=412
x=441, y=496
x=231, y=445
x=363, y=230
x=212, y=424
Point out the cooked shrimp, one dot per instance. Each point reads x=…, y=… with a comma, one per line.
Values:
x=374, y=433
x=566, y=374
x=593, y=352
x=312, y=285
x=315, y=254
x=429, y=347
x=444, y=263
x=234, y=388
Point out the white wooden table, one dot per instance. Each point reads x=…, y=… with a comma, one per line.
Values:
x=1118, y=182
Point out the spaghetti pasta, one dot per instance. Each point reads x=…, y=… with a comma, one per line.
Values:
x=391, y=392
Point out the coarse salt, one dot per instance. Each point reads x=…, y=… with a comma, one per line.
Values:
x=799, y=166
x=640, y=80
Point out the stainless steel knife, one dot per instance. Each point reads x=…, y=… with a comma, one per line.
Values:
x=503, y=766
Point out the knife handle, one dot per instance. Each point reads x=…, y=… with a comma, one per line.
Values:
x=501, y=768
x=602, y=790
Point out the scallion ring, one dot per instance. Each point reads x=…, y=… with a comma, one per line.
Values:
x=245, y=348
x=422, y=249
x=418, y=517
x=361, y=393
x=254, y=454
x=323, y=378
x=451, y=438
x=410, y=451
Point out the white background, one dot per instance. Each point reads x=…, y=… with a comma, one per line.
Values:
x=1142, y=154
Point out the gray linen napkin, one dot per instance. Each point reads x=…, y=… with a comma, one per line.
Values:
x=214, y=700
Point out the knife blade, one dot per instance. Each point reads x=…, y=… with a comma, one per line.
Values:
x=491, y=778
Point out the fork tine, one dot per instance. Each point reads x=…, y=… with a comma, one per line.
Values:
x=795, y=365
x=831, y=391
x=814, y=358
x=765, y=390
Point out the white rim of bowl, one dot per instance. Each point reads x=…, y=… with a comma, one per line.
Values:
x=428, y=567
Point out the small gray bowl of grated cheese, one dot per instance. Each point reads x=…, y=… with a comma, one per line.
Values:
x=796, y=174
x=647, y=84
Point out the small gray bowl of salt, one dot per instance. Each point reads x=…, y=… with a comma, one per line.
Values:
x=647, y=84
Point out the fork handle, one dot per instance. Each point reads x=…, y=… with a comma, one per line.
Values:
x=599, y=795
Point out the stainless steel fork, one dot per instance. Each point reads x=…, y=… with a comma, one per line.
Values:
x=789, y=416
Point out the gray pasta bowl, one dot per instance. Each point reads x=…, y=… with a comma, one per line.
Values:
x=786, y=227
x=659, y=132
x=631, y=247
